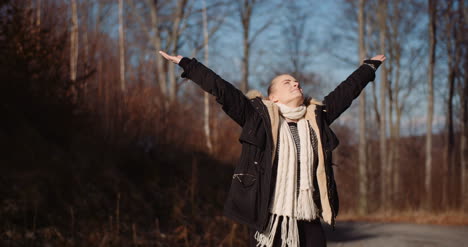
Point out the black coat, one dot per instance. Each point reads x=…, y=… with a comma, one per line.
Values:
x=251, y=186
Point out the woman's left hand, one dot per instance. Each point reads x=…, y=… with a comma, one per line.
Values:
x=380, y=58
x=174, y=59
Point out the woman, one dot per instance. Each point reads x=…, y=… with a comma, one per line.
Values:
x=284, y=182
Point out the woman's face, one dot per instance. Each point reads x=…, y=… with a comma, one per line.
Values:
x=286, y=89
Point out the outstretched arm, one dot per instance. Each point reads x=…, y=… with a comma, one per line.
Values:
x=233, y=101
x=338, y=100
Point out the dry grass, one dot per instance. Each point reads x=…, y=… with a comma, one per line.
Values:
x=453, y=217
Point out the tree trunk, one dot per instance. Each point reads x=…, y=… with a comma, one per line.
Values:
x=430, y=103
x=245, y=20
x=31, y=17
x=464, y=115
x=37, y=26
x=464, y=137
x=206, y=94
x=363, y=207
x=383, y=89
x=86, y=46
x=396, y=133
x=121, y=47
x=73, y=48
x=174, y=40
x=38, y=14
x=394, y=105
x=450, y=140
x=372, y=130
x=156, y=39
x=391, y=141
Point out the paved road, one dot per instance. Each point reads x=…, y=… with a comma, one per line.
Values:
x=362, y=234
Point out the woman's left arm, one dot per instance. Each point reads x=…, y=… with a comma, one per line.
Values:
x=338, y=100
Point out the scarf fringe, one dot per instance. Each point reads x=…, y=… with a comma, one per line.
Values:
x=266, y=239
x=289, y=232
x=305, y=207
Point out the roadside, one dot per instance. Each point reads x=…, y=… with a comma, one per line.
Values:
x=383, y=234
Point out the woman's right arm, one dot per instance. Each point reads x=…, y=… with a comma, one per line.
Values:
x=233, y=101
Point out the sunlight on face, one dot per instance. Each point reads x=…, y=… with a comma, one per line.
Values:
x=286, y=90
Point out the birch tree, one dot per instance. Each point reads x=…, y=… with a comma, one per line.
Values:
x=206, y=94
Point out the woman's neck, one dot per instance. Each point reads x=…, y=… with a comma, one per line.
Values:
x=291, y=120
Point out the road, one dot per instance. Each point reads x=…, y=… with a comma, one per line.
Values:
x=361, y=234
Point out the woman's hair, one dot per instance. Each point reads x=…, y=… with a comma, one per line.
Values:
x=270, y=86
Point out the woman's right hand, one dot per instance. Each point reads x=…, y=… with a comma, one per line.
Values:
x=174, y=59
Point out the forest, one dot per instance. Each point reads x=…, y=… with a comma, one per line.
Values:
x=103, y=143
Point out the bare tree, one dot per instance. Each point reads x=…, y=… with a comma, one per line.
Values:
x=464, y=134
x=463, y=107
x=452, y=62
x=84, y=32
x=206, y=94
x=174, y=42
x=121, y=47
x=38, y=13
x=460, y=41
x=403, y=26
x=156, y=40
x=73, y=47
x=385, y=176
x=246, y=9
x=363, y=207
x=430, y=101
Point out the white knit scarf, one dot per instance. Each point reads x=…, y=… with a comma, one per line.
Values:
x=284, y=202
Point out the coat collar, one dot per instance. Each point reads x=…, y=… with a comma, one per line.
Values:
x=273, y=111
x=253, y=93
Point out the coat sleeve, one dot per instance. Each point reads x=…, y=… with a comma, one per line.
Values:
x=236, y=105
x=338, y=100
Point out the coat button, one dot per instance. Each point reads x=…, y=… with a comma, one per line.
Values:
x=255, y=162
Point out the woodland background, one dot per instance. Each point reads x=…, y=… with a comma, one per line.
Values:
x=104, y=144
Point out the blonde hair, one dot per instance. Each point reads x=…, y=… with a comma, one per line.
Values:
x=272, y=82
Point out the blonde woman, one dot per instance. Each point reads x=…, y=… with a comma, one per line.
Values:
x=284, y=183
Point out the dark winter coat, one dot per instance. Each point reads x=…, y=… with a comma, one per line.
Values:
x=253, y=180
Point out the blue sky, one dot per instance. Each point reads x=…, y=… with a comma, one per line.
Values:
x=323, y=26
x=331, y=52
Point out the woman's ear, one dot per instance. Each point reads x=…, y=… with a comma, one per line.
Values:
x=271, y=97
x=274, y=99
